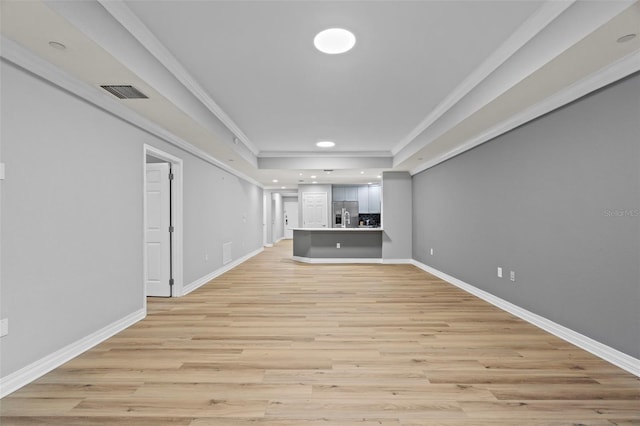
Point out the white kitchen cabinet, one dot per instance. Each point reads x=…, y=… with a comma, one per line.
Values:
x=363, y=199
x=350, y=193
x=374, y=199
x=338, y=193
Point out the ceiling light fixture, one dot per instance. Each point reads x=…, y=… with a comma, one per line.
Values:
x=325, y=144
x=334, y=41
x=362, y=172
x=313, y=177
x=275, y=181
x=314, y=182
x=283, y=187
x=378, y=176
x=626, y=38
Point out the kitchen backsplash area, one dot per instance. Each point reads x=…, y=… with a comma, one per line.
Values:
x=373, y=218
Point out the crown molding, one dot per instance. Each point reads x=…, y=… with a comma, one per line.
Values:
x=121, y=13
x=611, y=73
x=558, y=28
x=534, y=25
x=333, y=154
x=23, y=58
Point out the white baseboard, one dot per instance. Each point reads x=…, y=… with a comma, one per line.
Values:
x=33, y=371
x=229, y=266
x=268, y=245
x=397, y=261
x=336, y=260
x=607, y=353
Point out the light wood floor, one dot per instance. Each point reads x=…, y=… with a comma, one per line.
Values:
x=274, y=342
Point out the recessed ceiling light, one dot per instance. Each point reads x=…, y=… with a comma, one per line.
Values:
x=313, y=177
x=300, y=174
x=362, y=172
x=275, y=181
x=57, y=45
x=314, y=182
x=626, y=38
x=283, y=187
x=334, y=41
x=378, y=176
x=369, y=183
x=325, y=144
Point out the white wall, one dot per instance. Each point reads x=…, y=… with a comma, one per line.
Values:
x=71, y=211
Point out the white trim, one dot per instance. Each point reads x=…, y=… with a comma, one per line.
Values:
x=229, y=266
x=22, y=57
x=397, y=261
x=121, y=13
x=549, y=11
x=325, y=154
x=611, y=73
x=607, y=353
x=341, y=260
x=177, y=209
x=280, y=239
x=268, y=245
x=33, y=371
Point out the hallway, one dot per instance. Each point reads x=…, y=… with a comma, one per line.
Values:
x=275, y=342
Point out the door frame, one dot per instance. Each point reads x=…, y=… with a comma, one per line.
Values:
x=176, y=215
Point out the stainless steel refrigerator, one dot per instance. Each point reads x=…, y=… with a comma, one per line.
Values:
x=345, y=214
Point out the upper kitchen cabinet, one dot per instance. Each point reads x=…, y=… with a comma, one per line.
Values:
x=363, y=199
x=374, y=199
x=345, y=193
x=351, y=193
x=367, y=196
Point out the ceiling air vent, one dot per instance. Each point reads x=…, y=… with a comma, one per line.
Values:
x=125, y=92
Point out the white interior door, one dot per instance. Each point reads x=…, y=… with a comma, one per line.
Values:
x=314, y=210
x=158, y=237
x=290, y=218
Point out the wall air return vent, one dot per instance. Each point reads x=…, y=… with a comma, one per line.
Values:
x=125, y=92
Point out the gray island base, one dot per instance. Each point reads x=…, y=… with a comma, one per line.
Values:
x=337, y=245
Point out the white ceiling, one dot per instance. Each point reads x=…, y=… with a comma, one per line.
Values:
x=426, y=79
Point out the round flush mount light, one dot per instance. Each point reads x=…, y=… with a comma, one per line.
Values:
x=626, y=38
x=325, y=144
x=334, y=41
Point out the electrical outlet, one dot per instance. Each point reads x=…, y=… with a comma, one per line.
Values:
x=513, y=276
x=499, y=272
x=431, y=252
x=4, y=327
x=337, y=245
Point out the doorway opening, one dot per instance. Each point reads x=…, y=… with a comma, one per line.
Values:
x=162, y=224
x=290, y=216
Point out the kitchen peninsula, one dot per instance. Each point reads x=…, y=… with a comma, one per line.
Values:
x=331, y=245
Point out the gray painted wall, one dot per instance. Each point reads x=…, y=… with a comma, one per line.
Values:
x=558, y=202
x=71, y=211
x=396, y=215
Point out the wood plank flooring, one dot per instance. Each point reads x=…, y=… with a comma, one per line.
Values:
x=274, y=342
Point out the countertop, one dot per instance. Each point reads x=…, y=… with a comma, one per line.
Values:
x=339, y=229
